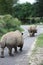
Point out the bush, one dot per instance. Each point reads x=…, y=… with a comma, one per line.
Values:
x=8, y=23
x=41, y=20
x=33, y=21
x=37, y=19
x=2, y=23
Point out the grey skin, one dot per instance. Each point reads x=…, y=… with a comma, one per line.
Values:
x=32, y=30
x=11, y=40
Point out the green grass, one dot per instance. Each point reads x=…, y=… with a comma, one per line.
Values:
x=41, y=64
x=39, y=42
x=38, y=45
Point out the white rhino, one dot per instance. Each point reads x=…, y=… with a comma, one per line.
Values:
x=11, y=40
x=32, y=30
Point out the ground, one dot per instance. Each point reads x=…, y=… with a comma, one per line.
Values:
x=36, y=57
x=21, y=58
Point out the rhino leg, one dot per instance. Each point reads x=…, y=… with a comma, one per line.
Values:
x=33, y=34
x=21, y=46
x=15, y=49
x=10, y=51
x=30, y=34
x=2, y=52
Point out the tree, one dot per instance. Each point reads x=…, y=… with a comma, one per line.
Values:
x=34, y=10
x=22, y=11
x=40, y=7
x=6, y=6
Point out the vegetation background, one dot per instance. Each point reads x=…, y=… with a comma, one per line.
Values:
x=13, y=14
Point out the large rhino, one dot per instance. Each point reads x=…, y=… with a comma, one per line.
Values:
x=11, y=40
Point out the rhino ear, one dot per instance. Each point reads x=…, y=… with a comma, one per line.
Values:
x=22, y=33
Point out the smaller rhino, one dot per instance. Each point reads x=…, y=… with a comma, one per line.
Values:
x=11, y=40
x=32, y=30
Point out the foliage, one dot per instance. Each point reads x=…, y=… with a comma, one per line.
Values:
x=6, y=6
x=8, y=23
x=40, y=41
x=33, y=21
x=40, y=7
x=26, y=10
x=22, y=11
x=34, y=10
x=41, y=19
x=2, y=23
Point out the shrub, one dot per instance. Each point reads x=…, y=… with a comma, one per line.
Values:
x=11, y=22
x=41, y=20
x=37, y=19
x=33, y=21
x=8, y=23
x=2, y=23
